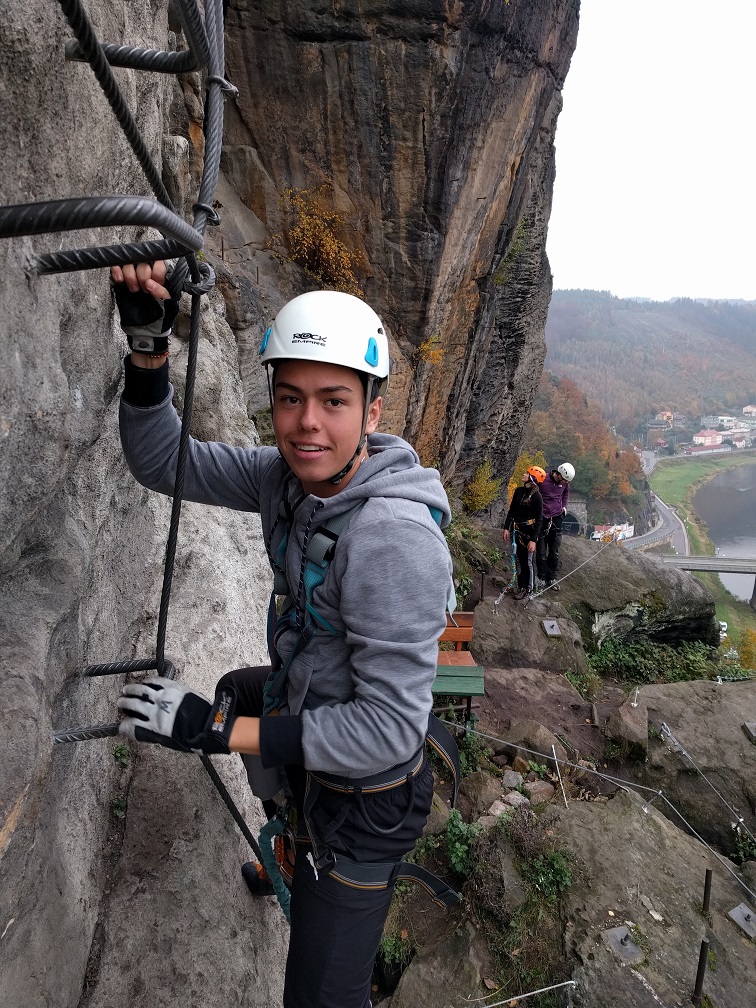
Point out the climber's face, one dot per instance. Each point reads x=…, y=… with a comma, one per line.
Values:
x=318, y=411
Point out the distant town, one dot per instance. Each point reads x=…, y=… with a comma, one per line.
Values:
x=674, y=433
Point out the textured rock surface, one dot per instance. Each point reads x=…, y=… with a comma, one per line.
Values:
x=86, y=911
x=639, y=859
x=706, y=719
x=433, y=125
x=615, y=592
x=513, y=636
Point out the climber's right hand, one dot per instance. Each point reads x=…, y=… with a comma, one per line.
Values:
x=145, y=305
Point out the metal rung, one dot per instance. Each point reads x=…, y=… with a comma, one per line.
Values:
x=86, y=733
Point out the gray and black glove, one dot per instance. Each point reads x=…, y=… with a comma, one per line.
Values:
x=167, y=712
x=146, y=321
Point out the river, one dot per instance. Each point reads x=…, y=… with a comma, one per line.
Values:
x=727, y=504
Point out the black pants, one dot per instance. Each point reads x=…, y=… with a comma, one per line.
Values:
x=335, y=929
x=525, y=563
x=547, y=549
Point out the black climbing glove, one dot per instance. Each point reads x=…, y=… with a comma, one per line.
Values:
x=146, y=321
x=167, y=712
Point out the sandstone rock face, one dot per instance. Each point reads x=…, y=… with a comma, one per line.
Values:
x=643, y=868
x=114, y=880
x=513, y=636
x=706, y=719
x=615, y=592
x=432, y=126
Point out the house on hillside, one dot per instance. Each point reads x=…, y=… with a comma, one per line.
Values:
x=664, y=415
x=707, y=438
x=738, y=440
x=749, y=411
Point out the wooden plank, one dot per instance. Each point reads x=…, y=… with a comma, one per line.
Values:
x=466, y=686
x=457, y=634
x=456, y=658
x=460, y=618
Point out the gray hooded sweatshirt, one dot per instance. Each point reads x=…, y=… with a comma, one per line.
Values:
x=357, y=702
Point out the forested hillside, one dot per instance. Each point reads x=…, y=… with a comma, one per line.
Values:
x=566, y=426
x=635, y=358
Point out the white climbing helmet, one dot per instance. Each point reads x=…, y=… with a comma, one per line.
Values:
x=332, y=327
x=566, y=471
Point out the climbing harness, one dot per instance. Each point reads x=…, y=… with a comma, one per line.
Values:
x=298, y=613
x=288, y=833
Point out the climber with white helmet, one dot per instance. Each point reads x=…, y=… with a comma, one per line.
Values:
x=352, y=524
x=555, y=491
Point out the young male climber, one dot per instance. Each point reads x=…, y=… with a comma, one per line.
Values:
x=523, y=521
x=345, y=707
x=555, y=490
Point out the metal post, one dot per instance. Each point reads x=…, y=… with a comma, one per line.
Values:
x=559, y=775
x=703, y=959
x=707, y=890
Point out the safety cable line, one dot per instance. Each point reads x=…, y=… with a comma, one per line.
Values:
x=90, y=47
x=665, y=730
x=625, y=784
x=500, y=597
x=158, y=60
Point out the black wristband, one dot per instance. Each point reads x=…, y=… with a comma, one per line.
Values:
x=145, y=387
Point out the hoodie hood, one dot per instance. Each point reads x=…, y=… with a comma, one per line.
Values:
x=392, y=470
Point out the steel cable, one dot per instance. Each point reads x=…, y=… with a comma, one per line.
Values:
x=158, y=60
x=90, y=47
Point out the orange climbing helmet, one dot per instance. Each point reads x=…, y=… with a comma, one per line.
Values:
x=536, y=473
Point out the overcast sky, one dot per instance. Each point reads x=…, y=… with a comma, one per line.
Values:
x=655, y=187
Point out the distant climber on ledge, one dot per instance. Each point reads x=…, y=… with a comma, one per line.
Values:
x=555, y=491
x=333, y=730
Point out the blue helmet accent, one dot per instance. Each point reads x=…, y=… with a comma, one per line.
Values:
x=265, y=339
x=371, y=357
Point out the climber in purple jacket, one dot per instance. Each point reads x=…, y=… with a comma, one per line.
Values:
x=555, y=491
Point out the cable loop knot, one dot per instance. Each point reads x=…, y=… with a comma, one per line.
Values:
x=213, y=218
x=226, y=86
x=206, y=282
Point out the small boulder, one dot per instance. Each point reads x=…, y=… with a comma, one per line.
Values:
x=538, y=740
x=539, y=791
x=628, y=726
x=477, y=791
x=515, y=799
x=438, y=817
x=510, y=779
x=498, y=808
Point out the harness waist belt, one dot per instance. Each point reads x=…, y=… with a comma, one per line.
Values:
x=383, y=874
x=383, y=781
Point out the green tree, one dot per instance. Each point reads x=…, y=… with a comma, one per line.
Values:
x=482, y=490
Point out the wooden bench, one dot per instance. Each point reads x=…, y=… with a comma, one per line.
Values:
x=457, y=674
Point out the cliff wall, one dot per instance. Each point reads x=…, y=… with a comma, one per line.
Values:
x=432, y=127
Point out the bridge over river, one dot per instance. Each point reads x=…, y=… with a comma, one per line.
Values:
x=718, y=564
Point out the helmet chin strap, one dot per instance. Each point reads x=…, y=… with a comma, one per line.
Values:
x=350, y=464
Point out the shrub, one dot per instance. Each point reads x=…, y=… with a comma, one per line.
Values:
x=459, y=843
x=313, y=242
x=483, y=488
